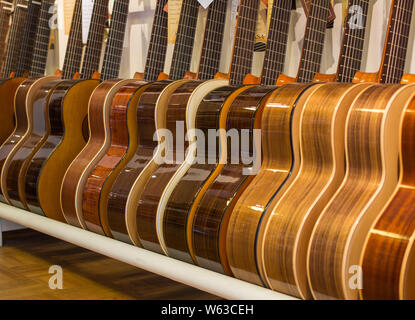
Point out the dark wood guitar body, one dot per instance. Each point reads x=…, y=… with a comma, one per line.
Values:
x=71, y=201
x=144, y=151
x=211, y=214
x=149, y=200
x=123, y=134
x=208, y=116
x=69, y=94
x=16, y=173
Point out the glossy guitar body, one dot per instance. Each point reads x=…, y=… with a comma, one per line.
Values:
x=122, y=133
x=14, y=170
x=276, y=141
x=158, y=99
x=67, y=115
x=284, y=235
x=97, y=145
x=8, y=89
x=211, y=217
x=211, y=114
x=389, y=258
x=372, y=154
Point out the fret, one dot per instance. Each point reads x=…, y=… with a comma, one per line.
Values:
x=115, y=42
x=156, y=53
x=276, y=41
x=40, y=51
x=15, y=38
x=313, y=43
x=73, y=56
x=183, y=48
x=396, y=42
x=95, y=40
x=244, y=41
x=213, y=39
x=28, y=39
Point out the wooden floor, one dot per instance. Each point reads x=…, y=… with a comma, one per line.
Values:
x=27, y=255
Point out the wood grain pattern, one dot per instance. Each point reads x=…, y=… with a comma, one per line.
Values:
x=282, y=246
x=67, y=108
x=221, y=195
x=213, y=108
x=25, y=95
x=123, y=134
x=275, y=169
x=74, y=177
x=388, y=260
x=337, y=240
x=14, y=177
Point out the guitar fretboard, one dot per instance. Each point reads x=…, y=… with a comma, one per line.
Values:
x=156, y=54
x=313, y=43
x=276, y=41
x=353, y=40
x=396, y=43
x=73, y=56
x=243, y=49
x=6, y=8
x=183, y=47
x=213, y=39
x=93, y=49
x=114, y=46
x=15, y=38
x=28, y=39
x=40, y=51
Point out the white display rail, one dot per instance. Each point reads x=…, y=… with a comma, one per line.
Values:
x=202, y=279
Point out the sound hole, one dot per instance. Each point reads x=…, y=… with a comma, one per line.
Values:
x=85, y=129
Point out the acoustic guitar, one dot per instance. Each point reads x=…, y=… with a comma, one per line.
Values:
x=17, y=163
x=25, y=93
x=212, y=114
x=68, y=119
x=264, y=216
x=102, y=177
x=388, y=261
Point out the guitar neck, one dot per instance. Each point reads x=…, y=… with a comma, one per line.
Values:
x=156, y=54
x=73, y=56
x=276, y=41
x=6, y=9
x=183, y=47
x=213, y=39
x=313, y=43
x=243, y=48
x=353, y=40
x=40, y=51
x=15, y=38
x=95, y=41
x=396, y=42
x=28, y=40
x=114, y=46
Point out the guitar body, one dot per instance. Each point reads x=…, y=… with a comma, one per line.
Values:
x=199, y=93
x=15, y=167
x=209, y=224
x=174, y=156
x=276, y=168
x=8, y=89
x=157, y=99
x=389, y=261
x=211, y=114
x=284, y=235
x=67, y=108
x=122, y=133
x=372, y=170
x=97, y=145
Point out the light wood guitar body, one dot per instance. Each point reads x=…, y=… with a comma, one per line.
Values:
x=338, y=237
x=283, y=238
